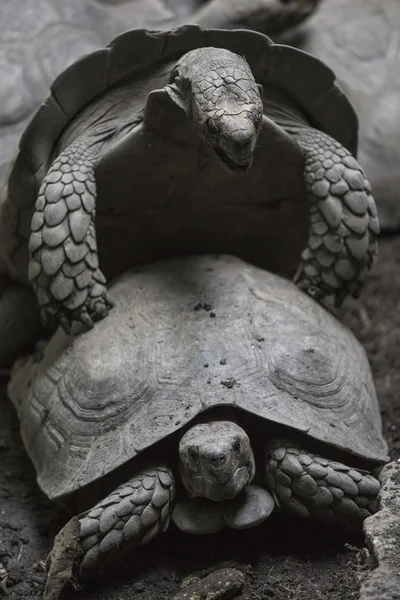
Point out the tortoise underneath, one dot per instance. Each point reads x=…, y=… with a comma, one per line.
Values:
x=150, y=135
x=226, y=394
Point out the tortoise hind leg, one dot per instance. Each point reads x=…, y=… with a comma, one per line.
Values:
x=64, y=268
x=20, y=324
x=311, y=486
x=344, y=226
x=130, y=516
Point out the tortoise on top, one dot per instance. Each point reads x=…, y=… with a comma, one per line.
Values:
x=151, y=134
x=166, y=402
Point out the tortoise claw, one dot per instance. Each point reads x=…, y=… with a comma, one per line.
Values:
x=85, y=318
x=45, y=317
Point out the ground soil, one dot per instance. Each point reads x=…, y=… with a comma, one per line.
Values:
x=286, y=559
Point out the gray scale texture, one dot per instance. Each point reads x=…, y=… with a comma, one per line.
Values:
x=63, y=253
x=100, y=399
x=218, y=585
x=178, y=188
x=382, y=532
x=131, y=516
x=359, y=41
x=329, y=492
x=342, y=245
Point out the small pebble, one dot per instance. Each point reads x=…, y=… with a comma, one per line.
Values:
x=219, y=585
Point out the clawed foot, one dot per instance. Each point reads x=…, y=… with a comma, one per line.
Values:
x=342, y=241
x=311, y=486
x=95, y=307
x=130, y=517
x=317, y=289
x=64, y=266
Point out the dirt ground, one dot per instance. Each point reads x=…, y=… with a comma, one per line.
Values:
x=286, y=559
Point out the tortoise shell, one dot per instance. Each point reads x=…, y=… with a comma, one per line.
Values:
x=157, y=182
x=187, y=335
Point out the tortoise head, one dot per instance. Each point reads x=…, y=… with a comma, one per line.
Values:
x=216, y=460
x=221, y=98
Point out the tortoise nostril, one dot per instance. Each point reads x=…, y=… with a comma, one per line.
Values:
x=242, y=143
x=242, y=139
x=236, y=445
x=193, y=452
x=218, y=460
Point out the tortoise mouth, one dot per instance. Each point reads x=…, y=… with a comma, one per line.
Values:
x=219, y=489
x=231, y=165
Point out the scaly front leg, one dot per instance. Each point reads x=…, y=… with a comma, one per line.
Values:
x=311, y=486
x=342, y=243
x=129, y=517
x=64, y=267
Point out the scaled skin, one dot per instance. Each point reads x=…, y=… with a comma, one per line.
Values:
x=225, y=111
x=295, y=369
x=216, y=460
x=25, y=84
x=301, y=483
x=223, y=104
x=217, y=91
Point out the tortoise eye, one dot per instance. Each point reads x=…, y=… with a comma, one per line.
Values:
x=193, y=452
x=212, y=127
x=236, y=446
x=256, y=116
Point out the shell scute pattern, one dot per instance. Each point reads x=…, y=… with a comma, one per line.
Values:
x=134, y=51
x=105, y=405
